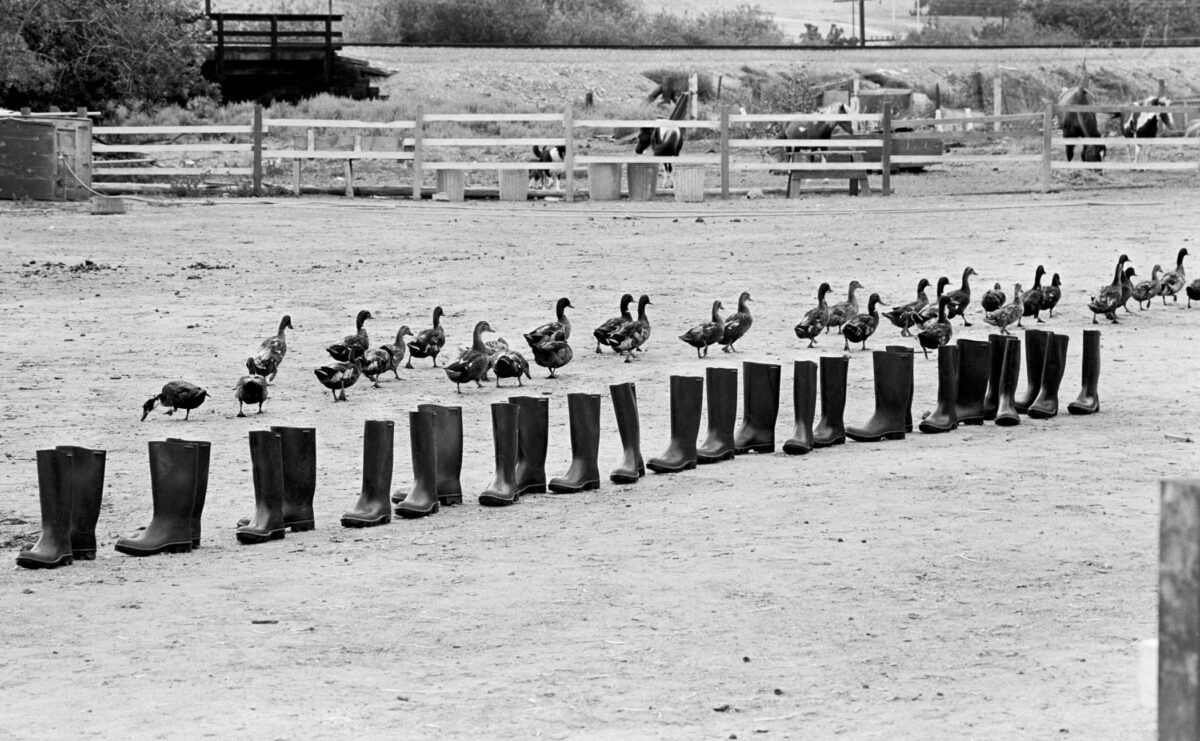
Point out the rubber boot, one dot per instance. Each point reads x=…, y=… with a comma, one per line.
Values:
x=831, y=430
x=373, y=506
x=1035, y=358
x=448, y=432
x=1088, y=401
x=760, y=408
x=584, y=474
x=533, y=428
x=201, y=486
x=53, y=548
x=1045, y=405
x=632, y=468
x=804, y=400
x=893, y=391
x=722, y=386
x=908, y=418
x=266, y=464
x=687, y=393
x=945, y=417
x=86, y=483
x=973, y=368
x=995, y=367
x=298, y=447
x=422, y=499
x=174, y=468
x=506, y=436
x=1010, y=374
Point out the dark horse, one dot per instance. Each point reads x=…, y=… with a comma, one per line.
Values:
x=666, y=141
x=1081, y=125
x=814, y=129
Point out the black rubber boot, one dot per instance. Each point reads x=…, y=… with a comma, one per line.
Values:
x=422, y=499
x=632, y=468
x=86, y=483
x=448, y=432
x=945, y=417
x=722, y=386
x=53, y=548
x=760, y=408
x=687, y=395
x=1035, y=358
x=893, y=391
x=266, y=464
x=831, y=429
x=298, y=447
x=1010, y=374
x=584, y=473
x=1088, y=401
x=908, y=418
x=804, y=399
x=973, y=368
x=201, y=486
x=506, y=434
x=991, y=397
x=174, y=467
x=373, y=506
x=1045, y=405
x=533, y=425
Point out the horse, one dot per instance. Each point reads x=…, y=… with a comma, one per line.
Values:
x=1145, y=125
x=664, y=141
x=545, y=178
x=1077, y=125
x=813, y=130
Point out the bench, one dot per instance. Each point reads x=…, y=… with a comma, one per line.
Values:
x=848, y=164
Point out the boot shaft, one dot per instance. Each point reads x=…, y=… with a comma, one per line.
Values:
x=266, y=465
x=202, y=466
x=1010, y=372
x=53, y=548
x=996, y=345
x=624, y=400
x=298, y=449
x=804, y=402
x=945, y=416
x=505, y=434
x=532, y=438
x=378, y=456
x=974, y=366
x=583, y=411
x=904, y=349
x=1046, y=403
x=1088, y=401
x=448, y=432
x=722, y=386
x=85, y=480
x=1035, y=358
x=760, y=393
x=422, y=441
x=831, y=430
x=173, y=470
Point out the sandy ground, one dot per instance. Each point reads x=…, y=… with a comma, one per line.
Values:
x=989, y=583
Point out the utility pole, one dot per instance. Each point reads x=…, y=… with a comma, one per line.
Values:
x=862, y=23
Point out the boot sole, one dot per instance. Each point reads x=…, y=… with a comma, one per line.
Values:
x=412, y=513
x=34, y=563
x=1003, y=421
x=183, y=547
x=829, y=444
x=566, y=489
x=1074, y=408
x=532, y=489
x=931, y=430
x=253, y=538
x=450, y=499
x=876, y=438
x=303, y=526
x=760, y=448
x=709, y=458
x=623, y=478
x=381, y=520
x=491, y=500
x=689, y=465
x=796, y=449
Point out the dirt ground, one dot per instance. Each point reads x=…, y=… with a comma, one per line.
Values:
x=988, y=583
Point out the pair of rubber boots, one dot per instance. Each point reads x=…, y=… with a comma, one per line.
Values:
x=70, y=488
x=1045, y=365
x=283, y=462
x=977, y=381
x=435, y=435
x=178, y=489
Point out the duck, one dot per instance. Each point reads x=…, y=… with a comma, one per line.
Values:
x=1052, y=294
x=553, y=354
x=271, y=351
x=1127, y=288
x=510, y=364
x=177, y=395
x=352, y=345
x=428, y=342
x=737, y=324
x=939, y=334
x=337, y=377
x=603, y=332
x=1109, y=297
x=1008, y=313
x=1174, y=281
x=1147, y=290
x=905, y=315
x=839, y=313
x=473, y=364
x=815, y=319
x=861, y=326
x=1193, y=292
x=375, y=362
x=398, y=349
x=251, y=388
x=632, y=335
x=930, y=312
x=707, y=333
x=960, y=299
x=994, y=298
x=559, y=329
x=1034, y=298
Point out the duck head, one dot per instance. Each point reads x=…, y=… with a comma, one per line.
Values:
x=363, y=316
x=872, y=303
x=563, y=303
x=626, y=300
x=285, y=322
x=944, y=281
x=922, y=284
x=149, y=405
x=643, y=302
x=822, y=291
x=403, y=332
x=437, y=315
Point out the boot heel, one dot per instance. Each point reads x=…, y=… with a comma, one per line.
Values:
x=302, y=527
x=450, y=499
x=894, y=436
x=178, y=548
x=596, y=484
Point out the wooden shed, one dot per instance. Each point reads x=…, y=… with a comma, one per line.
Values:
x=45, y=158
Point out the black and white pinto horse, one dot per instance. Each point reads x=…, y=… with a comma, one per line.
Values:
x=1146, y=125
x=545, y=179
x=665, y=141
x=813, y=130
x=1076, y=125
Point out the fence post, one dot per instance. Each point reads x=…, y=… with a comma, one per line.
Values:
x=725, y=153
x=997, y=99
x=694, y=96
x=1179, y=611
x=569, y=156
x=885, y=157
x=256, y=148
x=418, y=135
x=1047, y=151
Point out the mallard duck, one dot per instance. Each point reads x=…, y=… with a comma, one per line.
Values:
x=428, y=342
x=1193, y=292
x=177, y=395
x=1052, y=294
x=560, y=329
x=703, y=335
x=272, y=351
x=632, y=335
x=994, y=298
x=603, y=332
x=1127, y=288
x=905, y=315
x=1174, y=281
x=939, y=334
x=960, y=299
x=398, y=349
x=1008, y=313
x=553, y=354
x=376, y=361
x=250, y=389
x=1147, y=290
x=815, y=319
x=839, y=313
x=337, y=377
x=737, y=324
x=1109, y=298
x=930, y=312
x=1035, y=298
x=473, y=364
x=860, y=327
x=352, y=345
x=510, y=364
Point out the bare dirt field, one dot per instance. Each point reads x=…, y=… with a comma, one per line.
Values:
x=984, y=584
